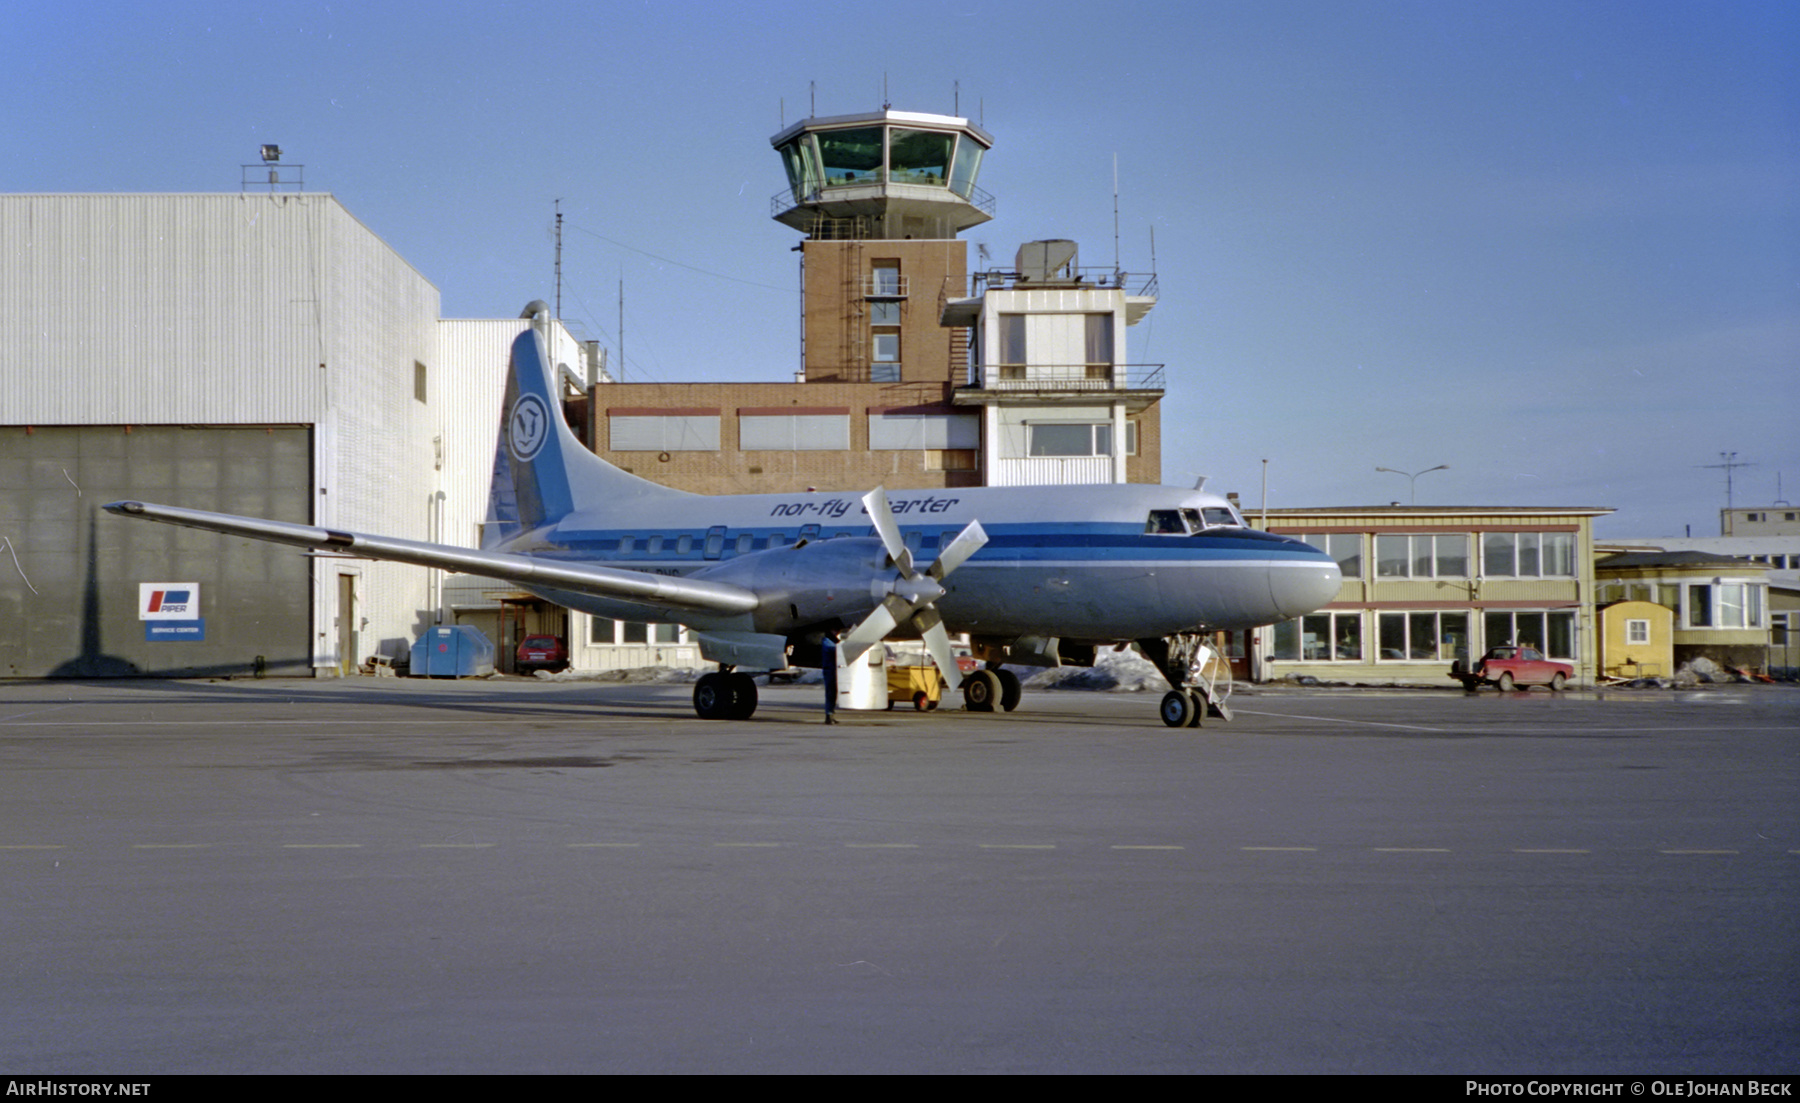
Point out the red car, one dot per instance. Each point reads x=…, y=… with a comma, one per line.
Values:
x=541, y=653
x=1508, y=665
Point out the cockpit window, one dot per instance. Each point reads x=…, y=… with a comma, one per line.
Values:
x=1165, y=522
x=1181, y=522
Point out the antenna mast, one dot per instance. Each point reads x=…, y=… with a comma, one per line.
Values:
x=559, y=258
x=1729, y=462
x=1115, y=215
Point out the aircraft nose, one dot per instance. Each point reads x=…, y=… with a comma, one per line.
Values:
x=1299, y=589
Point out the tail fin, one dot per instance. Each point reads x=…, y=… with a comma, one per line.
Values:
x=542, y=473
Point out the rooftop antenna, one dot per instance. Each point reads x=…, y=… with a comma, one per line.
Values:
x=1115, y=214
x=1728, y=462
x=812, y=94
x=886, y=104
x=956, y=98
x=558, y=209
x=1779, y=500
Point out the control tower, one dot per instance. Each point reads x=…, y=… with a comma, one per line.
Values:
x=881, y=198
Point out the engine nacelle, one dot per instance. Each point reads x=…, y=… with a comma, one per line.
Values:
x=809, y=584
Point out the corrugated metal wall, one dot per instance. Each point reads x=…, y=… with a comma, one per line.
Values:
x=70, y=573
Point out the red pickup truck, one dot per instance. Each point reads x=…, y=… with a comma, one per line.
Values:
x=1509, y=665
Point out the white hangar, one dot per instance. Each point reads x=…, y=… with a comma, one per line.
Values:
x=263, y=354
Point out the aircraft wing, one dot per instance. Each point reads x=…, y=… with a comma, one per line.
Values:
x=697, y=595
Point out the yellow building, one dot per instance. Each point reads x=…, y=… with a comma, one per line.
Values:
x=1720, y=604
x=1637, y=640
x=1427, y=585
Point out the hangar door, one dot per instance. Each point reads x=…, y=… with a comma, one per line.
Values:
x=77, y=583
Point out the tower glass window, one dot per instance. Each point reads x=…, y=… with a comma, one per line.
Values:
x=966, y=167
x=851, y=156
x=802, y=167
x=919, y=156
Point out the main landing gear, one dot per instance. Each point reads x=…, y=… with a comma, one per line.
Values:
x=1193, y=666
x=994, y=684
x=725, y=695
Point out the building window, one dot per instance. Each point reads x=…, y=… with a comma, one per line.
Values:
x=1098, y=342
x=1637, y=631
x=885, y=281
x=1345, y=547
x=851, y=156
x=419, y=380
x=896, y=431
x=1438, y=555
x=660, y=431
x=1528, y=554
x=1054, y=439
x=1552, y=632
x=1319, y=637
x=1423, y=637
x=884, y=357
x=792, y=432
x=919, y=156
x=1724, y=605
x=1012, y=345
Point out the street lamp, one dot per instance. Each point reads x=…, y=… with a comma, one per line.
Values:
x=1413, y=477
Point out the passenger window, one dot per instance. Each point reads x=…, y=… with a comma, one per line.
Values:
x=684, y=544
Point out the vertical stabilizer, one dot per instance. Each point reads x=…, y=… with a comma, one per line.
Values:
x=542, y=473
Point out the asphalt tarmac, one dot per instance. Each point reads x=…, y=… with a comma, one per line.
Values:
x=382, y=875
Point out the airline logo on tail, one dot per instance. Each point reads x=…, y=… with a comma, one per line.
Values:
x=527, y=427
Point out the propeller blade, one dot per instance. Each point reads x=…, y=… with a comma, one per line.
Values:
x=882, y=514
x=967, y=543
x=930, y=627
x=873, y=628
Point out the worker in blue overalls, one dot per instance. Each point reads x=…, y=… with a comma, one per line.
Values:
x=829, y=650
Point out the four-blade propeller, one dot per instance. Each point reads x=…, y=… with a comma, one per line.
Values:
x=908, y=597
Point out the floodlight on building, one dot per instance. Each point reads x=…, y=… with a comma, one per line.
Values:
x=271, y=153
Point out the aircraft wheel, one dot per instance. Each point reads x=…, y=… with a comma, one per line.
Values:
x=1177, y=709
x=743, y=696
x=1010, y=689
x=1201, y=704
x=979, y=691
x=1556, y=682
x=712, y=697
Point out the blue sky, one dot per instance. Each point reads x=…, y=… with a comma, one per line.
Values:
x=1553, y=245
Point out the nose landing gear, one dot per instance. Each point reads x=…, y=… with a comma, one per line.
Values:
x=1200, y=675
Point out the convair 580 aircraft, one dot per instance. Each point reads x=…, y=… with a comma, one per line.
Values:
x=1035, y=575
